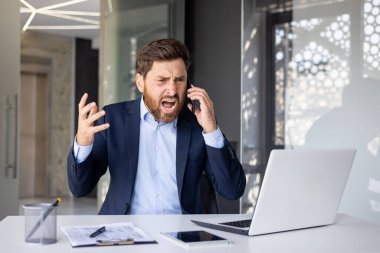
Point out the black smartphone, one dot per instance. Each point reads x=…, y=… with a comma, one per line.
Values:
x=194, y=103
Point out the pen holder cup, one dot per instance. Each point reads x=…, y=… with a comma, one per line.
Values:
x=40, y=223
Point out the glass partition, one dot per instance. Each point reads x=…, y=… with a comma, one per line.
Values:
x=127, y=25
x=332, y=97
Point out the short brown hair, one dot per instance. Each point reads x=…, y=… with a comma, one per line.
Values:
x=161, y=50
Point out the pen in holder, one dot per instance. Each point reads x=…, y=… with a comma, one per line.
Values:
x=41, y=222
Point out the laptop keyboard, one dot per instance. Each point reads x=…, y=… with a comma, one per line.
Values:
x=239, y=223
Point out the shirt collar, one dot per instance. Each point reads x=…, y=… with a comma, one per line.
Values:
x=145, y=114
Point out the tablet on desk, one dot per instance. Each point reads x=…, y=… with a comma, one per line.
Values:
x=195, y=238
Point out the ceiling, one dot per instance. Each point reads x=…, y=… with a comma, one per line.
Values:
x=74, y=18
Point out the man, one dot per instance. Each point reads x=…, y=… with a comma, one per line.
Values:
x=156, y=148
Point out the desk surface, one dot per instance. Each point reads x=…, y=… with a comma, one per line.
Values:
x=348, y=234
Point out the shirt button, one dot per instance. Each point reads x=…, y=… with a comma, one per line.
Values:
x=155, y=172
x=218, y=138
x=158, y=127
x=156, y=149
x=157, y=195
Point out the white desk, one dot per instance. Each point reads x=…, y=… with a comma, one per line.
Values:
x=348, y=234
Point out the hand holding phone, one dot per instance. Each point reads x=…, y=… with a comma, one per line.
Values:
x=202, y=107
x=194, y=103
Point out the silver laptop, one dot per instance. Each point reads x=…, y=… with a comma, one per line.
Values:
x=301, y=189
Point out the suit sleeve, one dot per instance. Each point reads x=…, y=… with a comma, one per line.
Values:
x=225, y=171
x=82, y=177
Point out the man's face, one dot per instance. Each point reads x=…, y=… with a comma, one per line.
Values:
x=164, y=89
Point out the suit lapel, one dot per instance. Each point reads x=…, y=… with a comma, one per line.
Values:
x=183, y=142
x=132, y=129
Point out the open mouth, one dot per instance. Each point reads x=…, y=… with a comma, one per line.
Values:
x=169, y=104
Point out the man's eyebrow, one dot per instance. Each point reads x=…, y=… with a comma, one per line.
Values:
x=167, y=77
x=163, y=77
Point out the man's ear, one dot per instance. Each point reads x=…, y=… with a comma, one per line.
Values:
x=139, y=82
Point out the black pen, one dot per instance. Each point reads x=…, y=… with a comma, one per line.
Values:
x=98, y=232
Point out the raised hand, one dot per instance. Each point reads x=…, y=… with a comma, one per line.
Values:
x=87, y=115
x=205, y=114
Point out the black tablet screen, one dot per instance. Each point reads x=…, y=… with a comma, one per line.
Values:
x=195, y=236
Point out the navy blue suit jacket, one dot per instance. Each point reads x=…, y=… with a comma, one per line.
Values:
x=117, y=148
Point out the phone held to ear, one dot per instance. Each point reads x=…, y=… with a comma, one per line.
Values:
x=194, y=103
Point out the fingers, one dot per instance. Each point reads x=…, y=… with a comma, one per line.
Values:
x=100, y=127
x=87, y=115
x=196, y=93
x=82, y=101
x=92, y=118
x=190, y=106
x=93, y=111
x=86, y=110
x=83, y=113
x=205, y=115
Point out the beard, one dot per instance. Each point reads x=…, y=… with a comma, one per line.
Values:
x=155, y=107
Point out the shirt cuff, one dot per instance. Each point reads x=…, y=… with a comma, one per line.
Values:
x=81, y=152
x=214, y=139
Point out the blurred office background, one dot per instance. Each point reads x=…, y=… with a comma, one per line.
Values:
x=282, y=74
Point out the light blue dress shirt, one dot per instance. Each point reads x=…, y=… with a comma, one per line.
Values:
x=155, y=190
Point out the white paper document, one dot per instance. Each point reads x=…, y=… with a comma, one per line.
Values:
x=115, y=232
